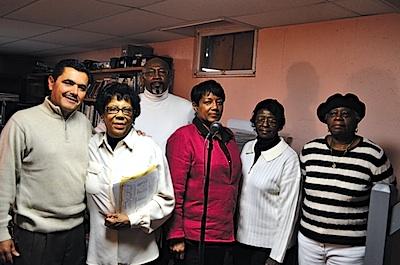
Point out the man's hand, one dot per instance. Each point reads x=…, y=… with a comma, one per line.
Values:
x=117, y=221
x=177, y=246
x=7, y=251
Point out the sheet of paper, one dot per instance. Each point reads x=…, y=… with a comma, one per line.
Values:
x=133, y=192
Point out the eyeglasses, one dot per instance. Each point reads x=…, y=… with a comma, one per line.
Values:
x=272, y=122
x=114, y=110
x=153, y=72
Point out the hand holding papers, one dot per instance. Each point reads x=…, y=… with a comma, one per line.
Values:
x=117, y=221
x=133, y=192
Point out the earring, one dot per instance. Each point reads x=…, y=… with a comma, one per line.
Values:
x=356, y=130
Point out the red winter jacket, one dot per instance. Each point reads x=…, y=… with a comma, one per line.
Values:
x=186, y=156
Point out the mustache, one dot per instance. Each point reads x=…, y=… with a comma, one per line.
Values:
x=157, y=87
x=71, y=96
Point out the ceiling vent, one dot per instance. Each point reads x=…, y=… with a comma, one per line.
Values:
x=190, y=29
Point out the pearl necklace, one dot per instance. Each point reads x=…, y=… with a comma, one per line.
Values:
x=345, y=150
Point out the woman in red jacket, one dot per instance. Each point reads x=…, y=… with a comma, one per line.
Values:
x=187, y=156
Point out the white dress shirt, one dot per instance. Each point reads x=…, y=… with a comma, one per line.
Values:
x=133, y=154
x=269, y=196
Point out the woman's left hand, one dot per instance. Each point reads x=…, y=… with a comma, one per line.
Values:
x=117, y=221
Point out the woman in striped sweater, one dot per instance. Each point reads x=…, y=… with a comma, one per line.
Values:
x=339, y=171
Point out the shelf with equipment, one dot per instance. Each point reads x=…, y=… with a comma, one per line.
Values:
x=118, y=70
x=127, y=75
x=5, y=99
x=35, y=88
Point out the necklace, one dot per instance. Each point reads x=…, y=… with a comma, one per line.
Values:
x=345, y=150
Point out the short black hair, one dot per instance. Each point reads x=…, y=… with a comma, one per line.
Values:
x=122, y=92
x=73, y=63
x=205, y=88
x=273, y=106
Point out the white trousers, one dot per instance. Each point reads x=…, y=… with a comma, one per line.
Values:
x=312, y=252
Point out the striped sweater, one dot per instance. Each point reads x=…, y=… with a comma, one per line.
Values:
x=336, y=190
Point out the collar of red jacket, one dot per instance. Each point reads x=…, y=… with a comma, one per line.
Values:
x=226, y=134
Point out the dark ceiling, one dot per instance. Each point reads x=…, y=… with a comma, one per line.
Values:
x=51, y=27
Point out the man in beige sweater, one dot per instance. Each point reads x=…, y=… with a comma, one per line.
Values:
x=43, y=162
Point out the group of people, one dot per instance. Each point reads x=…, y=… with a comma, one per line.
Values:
x=237, y=206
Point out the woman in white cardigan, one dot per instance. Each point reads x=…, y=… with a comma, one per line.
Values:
x=270, y=191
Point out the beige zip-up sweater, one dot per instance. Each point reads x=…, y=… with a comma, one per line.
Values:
x=43, y=164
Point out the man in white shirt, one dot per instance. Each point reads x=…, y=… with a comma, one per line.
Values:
x=162, y=113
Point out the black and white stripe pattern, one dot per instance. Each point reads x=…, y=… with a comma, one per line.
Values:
x=336, y=198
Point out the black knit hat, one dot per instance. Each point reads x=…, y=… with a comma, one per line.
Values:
x=349, y=100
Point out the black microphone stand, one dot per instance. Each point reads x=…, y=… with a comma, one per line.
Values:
x=209, y=138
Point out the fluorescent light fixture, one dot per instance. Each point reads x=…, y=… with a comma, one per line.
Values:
x=210, y=70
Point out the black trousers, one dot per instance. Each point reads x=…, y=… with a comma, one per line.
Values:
x=58, y=248
x=248, y=255
x=214, y=253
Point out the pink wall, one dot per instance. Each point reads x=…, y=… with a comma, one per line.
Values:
x=302, y=65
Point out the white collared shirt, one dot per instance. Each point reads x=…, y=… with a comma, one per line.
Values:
x=133, y=154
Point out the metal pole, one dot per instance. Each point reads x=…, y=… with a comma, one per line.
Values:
x=205, y=203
